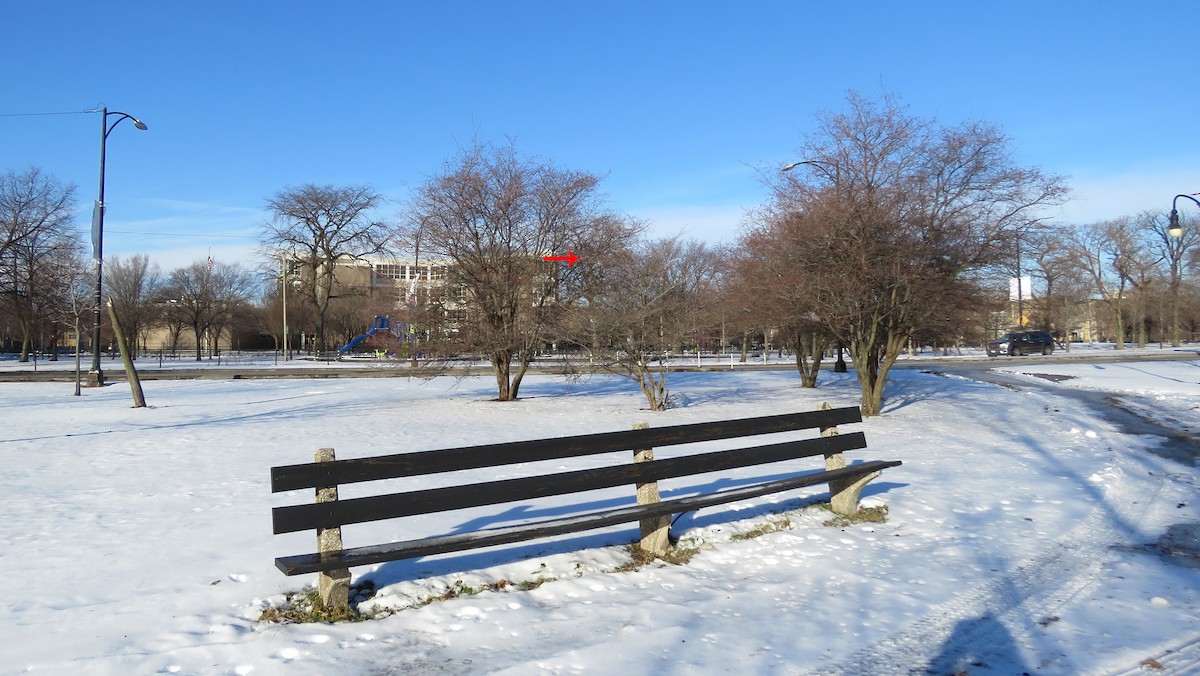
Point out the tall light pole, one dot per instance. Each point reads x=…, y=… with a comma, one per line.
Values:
x=287, y=354
x=96, y=375
x=1175, y=249
x=1020, y=300
x=286, y=259
x=839, y=365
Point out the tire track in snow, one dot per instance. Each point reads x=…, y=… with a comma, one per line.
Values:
x=1184, y=659
x=998, y=622
x=986, y=624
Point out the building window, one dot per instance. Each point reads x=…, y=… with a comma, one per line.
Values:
x=390, y=271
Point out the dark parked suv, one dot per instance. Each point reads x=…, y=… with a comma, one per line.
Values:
x=1018, y=343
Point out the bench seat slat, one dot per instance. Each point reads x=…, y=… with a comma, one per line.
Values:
x=313, y=475
x=358, y=510
x=358, y=556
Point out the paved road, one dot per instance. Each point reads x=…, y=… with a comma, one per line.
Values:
x=1177, y=445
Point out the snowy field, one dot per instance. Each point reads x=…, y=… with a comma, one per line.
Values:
x=1019, y=538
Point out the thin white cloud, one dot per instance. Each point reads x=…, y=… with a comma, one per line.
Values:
x=182, y=232
x=1105, y=197
x=715, y=223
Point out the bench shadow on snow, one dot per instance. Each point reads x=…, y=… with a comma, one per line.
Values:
x=414, y=569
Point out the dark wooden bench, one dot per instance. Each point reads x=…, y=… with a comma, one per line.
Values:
x=328, y=514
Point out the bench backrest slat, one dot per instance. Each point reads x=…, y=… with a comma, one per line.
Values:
x=358, y=510
x=313, y=475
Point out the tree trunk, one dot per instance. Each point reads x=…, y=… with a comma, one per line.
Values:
x=867, y=370
x=1175, y=338
x=78, y=354
x=199, y=342
x=1119, y=328
x=320, y=337
x=522, y=367
x=175, y=333
x=501, y=367
x=654, y=387
x=810, y=347
x=873, y=357
x=135, y=383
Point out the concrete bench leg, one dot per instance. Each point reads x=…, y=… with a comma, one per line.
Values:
x=333, y=587
x=843, y=493
x=655, y=532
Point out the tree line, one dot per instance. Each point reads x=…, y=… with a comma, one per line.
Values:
x=887, y=231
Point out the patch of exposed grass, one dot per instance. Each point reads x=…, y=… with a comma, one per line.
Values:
x=306, y=606
x=772, y=526
x=460, y=588
x=530, y=585
x=638, y=557
x=863, y=515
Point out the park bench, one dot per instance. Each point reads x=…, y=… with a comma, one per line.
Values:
x=328, y=513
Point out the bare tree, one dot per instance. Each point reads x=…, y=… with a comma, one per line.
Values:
x=903, y=209
x=1174, y=253
x=495, y=215
x=640, y=304
x=205, y=296
x=33, y=270
x=773, y=285
x=1063, y=306
x=299, y=314
x=322, y=224
x=742, y=305
x=1111, y=256
x=35, y=236
x=133, y=285
x=78, y=288
x=32, y=202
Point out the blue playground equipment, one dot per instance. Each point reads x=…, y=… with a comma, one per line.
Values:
x=399, y=330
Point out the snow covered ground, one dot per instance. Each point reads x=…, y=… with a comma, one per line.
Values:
x=152, y=362
x=1020, y=536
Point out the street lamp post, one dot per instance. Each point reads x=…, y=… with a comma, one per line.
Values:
x=284, y=284
x=96, y=375
x=839, y=366
x=286, y=281
x=1175, y=251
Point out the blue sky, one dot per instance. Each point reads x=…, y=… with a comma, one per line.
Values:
x=679, y=104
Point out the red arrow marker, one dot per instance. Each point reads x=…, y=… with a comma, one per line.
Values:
x=570, y=258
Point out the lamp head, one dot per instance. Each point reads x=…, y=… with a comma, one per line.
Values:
x=139, y=124
x=1173, y=228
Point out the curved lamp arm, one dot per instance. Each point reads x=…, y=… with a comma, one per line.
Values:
x=123, y=116
x=819, y=164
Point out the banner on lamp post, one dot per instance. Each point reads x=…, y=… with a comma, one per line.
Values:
x=1022, y=289
x=97, y=216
